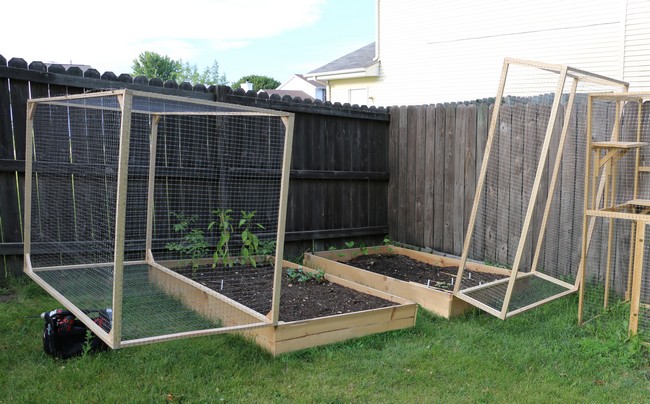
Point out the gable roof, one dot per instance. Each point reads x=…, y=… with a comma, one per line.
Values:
x=360, y=63
x=314, y=83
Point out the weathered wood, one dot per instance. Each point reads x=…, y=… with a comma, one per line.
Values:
x=403, y=174
x=420, y=175
x=393, y=184
x=411, y=169
x=439, y=179
x=429, y=176
x=503, y=162
x=470, y=165
x=458, y=212
x=449, y=179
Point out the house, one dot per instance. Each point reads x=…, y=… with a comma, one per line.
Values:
x=430, y=52
x=299, y=86
x=349, y=77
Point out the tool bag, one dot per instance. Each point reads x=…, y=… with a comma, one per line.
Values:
x=65, y=336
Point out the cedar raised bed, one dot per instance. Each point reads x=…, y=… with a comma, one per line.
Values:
x=300, y=334
x=437, y=300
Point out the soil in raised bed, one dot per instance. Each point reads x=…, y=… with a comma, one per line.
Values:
x=408, y=269
x=253, y=287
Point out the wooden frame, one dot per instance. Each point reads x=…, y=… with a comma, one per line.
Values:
x=296, y=335
x=603, y=168
x=192, y=294
x=563, y=74
x=438, y=301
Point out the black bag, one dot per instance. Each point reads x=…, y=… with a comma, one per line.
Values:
x=64, y=336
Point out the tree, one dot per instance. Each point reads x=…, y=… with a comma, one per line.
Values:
x=210, y=75
x=152, y=64
x=259, y=82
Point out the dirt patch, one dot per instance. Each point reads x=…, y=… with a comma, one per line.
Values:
x=253, y=287
x=407, y=269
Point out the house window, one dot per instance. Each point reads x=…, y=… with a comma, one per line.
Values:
x=358, y=96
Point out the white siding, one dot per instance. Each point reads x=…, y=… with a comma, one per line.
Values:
x=637, y=45
x=439, y=51
x=340, y=90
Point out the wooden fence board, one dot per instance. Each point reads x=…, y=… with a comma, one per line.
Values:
x=420, y=174
x=503, y=223
x=393, y=167
x=439, y=179
x=449, y=178
x=429, y=175
x=458, y=211
x=470, y=166
x=517, y=203
x=403, y=174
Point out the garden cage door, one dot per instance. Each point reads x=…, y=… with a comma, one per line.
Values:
x=523, y=214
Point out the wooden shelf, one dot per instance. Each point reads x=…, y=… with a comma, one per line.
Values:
x=639, y=202
x=611, y=144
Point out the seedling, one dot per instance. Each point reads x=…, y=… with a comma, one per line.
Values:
x=193, y=243
x=298, y=275
x=222, y=252
x=250, y=242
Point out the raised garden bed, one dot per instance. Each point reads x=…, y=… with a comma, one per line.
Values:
x=311, y=313
x=426, y=279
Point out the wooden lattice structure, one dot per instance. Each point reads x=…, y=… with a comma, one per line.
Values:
x=617, y=209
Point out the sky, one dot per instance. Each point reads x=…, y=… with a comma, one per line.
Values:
x=275, y=38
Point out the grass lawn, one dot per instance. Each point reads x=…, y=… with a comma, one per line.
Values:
x=540, y=356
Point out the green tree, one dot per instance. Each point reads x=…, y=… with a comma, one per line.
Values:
x=259, y=82
x=152, y=64
x=210, y=75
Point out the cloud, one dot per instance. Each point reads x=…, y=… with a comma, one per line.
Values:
x=110, y=36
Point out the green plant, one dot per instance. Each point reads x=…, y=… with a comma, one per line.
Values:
x=87, y=345
x=250, y=242
x=299, y=275
x=193, y=243
x=362, y=246
x=222, y=252
x=266, y=247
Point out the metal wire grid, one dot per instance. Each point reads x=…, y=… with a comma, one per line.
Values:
x=207, y=163
x=516, y=150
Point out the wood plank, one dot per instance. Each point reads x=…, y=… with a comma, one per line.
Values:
x=339, y=335
x=439, y=179
x=429, y=176
x=300, y=329
x=516, y=201
x=502, y=178
x=470, y=165
x=482, y=123
x=532, y=143
x=449, y=178
x=394, y=164
x=411, y=169
x=403, y=174
x=458, y=218
x=420, y=175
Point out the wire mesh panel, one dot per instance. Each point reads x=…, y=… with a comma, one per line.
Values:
x=524, y=217
x=137, y=201
x=618, y=203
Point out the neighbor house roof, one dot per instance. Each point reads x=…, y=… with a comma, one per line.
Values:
x=360, y=63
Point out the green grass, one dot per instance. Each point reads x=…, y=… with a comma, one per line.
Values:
x=540, y=356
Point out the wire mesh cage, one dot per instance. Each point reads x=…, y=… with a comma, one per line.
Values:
x=153, y=207
x=617, y=205
x=524, y=213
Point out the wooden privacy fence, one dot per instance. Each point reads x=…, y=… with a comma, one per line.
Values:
x=339, y=176
x=435, y=158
